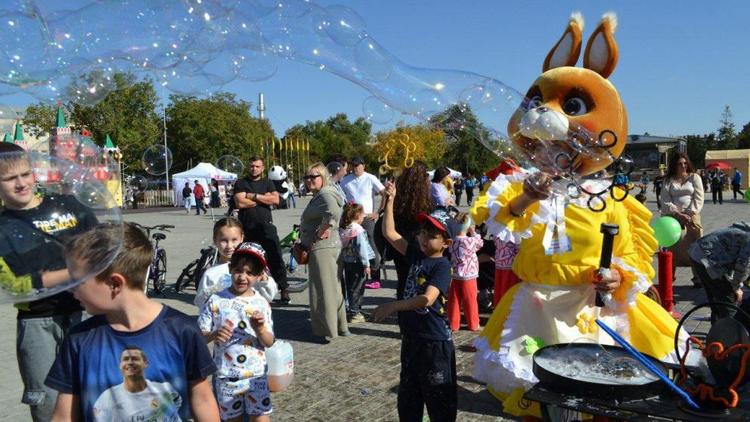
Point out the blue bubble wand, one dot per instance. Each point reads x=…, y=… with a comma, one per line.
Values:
x=647, y=363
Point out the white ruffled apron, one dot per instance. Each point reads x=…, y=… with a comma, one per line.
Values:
x=553, y=313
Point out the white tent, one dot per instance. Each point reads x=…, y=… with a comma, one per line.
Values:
x=203, y=173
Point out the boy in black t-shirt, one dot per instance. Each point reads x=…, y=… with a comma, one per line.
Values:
x=32, y=229
x=428, y=358
x=135, y=359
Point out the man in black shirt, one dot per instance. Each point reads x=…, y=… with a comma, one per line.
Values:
x=32, y=230
x=254, y=195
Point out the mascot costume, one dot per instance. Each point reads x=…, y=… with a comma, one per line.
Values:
x=558, y=233
x=278, y=176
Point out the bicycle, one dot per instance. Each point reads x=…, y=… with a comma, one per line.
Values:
x=193, y=271
x=157, y=271
x=296, y=284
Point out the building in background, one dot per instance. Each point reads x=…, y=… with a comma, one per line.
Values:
x=650, y=153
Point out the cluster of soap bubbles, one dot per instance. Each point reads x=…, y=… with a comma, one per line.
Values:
x=87, y=160
x=71, y=52
x=70, y=197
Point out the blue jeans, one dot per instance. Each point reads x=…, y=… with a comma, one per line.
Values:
x=37, y=342
x=199, y=206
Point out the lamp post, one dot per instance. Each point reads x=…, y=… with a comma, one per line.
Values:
x=166, y=149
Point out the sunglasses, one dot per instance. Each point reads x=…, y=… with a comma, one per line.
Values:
x=311, y=177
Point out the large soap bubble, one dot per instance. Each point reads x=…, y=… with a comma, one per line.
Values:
x=156, y=159
x=53, y=201
x=231, y=164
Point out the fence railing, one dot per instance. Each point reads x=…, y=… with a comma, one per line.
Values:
x=156, y=198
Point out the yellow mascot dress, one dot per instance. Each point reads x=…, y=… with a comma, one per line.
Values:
x=559, y=237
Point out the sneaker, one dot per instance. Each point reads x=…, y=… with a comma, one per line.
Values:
x=284, y=298
x=373, y=285
x=357, y=318
x=345, y=334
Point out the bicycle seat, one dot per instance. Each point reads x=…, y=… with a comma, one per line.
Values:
x=159, y=236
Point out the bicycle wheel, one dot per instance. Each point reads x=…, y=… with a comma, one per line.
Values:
x=186, y=275
x=206, y=261
x=160, y=276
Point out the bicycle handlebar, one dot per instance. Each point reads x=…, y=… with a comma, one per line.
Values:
x=160, y=227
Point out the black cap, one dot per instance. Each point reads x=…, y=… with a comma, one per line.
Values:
x=356, y=161
x=334, y=167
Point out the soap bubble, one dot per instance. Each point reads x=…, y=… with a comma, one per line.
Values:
x=231, y=164
x=376, y=111
x=68, y=201
x=138, y=182
x=156, y=159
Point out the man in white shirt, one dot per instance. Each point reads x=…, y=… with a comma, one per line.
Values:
x=362, y=188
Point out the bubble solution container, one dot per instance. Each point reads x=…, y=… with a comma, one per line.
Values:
x=280, y=359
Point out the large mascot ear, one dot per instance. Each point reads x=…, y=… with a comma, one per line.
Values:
x=567, y=49
x=601, y=51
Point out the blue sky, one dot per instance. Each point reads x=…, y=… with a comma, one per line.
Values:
x=680, y=62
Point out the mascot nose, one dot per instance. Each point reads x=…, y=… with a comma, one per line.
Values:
x=544, y=124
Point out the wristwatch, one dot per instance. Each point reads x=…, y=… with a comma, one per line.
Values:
x=255, y=197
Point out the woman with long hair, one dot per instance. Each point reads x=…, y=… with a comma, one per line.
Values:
x=682, y=198
x=319, y=233
x=438, y=189
x=413, y=197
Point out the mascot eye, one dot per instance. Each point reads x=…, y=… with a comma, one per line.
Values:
x=575, y=106
x=533, y=102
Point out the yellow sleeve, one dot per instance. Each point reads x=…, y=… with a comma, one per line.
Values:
x=491, y=208
x=634, y=249
x=11, y=282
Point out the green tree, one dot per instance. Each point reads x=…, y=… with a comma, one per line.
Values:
x=743, y=138
x=726, y=135
x=697, y=145
x=127, y=114
x=40, y=118
x=336, y=135
x=204, y=129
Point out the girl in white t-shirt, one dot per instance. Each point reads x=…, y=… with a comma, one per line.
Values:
x=228, y=234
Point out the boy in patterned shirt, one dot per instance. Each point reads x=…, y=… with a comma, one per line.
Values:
x=238, y=320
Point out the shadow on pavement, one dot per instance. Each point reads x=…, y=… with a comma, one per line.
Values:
x=480, y=402
x=365, y=331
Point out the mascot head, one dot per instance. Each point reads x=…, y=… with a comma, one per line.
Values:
x=573, y=120
x=277, y=173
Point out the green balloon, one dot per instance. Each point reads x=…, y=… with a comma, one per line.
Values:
x=667, y=231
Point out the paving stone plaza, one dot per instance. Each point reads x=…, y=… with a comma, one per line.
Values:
x=349, y=379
